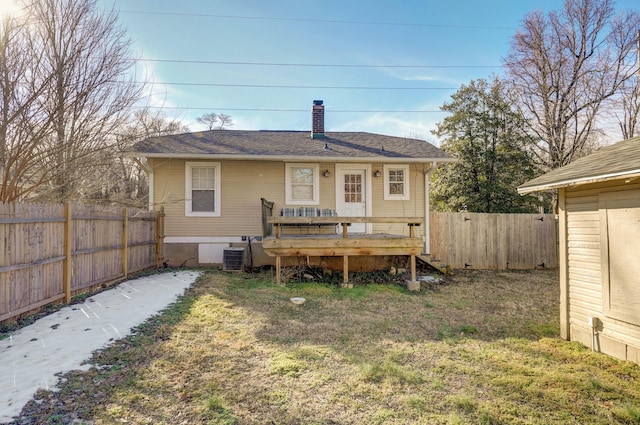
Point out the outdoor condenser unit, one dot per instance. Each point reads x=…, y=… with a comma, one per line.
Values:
x=233, y=259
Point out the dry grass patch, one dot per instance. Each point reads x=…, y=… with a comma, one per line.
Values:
x=480, y=348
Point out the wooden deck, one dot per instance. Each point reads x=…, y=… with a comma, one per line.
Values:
x=344, y=244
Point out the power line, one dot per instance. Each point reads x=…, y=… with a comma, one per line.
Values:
x=273, y=86
x=326, y=65
x=325, y=21
x=290, y=110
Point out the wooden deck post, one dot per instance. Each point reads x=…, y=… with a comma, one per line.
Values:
x=278, y=267
x=412, y=234
x=413, y=268
x=345, y=269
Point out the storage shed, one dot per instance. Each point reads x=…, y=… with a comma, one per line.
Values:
x=599, y=232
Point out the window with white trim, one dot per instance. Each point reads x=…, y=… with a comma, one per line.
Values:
x=396, y=182
x=302, y=186
x=202, y=189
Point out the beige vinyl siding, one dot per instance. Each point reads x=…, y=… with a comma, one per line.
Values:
x=169, y=182
x=242, y=185
x=327, y=187
x=413, y=207
x=585, y=269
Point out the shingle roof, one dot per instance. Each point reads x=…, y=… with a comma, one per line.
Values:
x=288, y=145
x=616, y=161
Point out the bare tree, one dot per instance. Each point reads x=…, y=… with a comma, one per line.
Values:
x=565, y=66
x=151, y=124
x=225, y=121
x=628, y=104
x=215, y=121
x=209, y=120
x=124, y=181
x=92, y=89
x=628, y=113
x=24, y=123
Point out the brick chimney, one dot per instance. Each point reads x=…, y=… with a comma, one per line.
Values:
x=317, y=120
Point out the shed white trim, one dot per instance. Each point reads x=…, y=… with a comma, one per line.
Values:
x=632, y=174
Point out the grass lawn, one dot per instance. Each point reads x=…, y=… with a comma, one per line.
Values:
x=478, y=348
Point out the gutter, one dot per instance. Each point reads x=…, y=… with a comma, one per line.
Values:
x=285, y=158
x=427, y=207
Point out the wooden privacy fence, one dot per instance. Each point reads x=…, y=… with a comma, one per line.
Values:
x=494, y=241
x=52, y=251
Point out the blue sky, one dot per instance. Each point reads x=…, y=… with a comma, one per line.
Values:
x=469, y=36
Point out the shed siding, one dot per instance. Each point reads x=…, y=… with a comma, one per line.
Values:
x=583, y=228
x=614, y=337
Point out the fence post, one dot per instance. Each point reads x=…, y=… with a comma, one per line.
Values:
x=125, y=242
x=68, y=261
x=160, y=237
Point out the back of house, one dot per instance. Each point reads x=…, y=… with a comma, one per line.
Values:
x=210, y=185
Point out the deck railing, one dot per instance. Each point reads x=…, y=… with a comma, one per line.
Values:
x=267, y=211
x=345, y=222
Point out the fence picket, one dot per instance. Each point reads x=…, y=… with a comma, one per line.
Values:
x=51, y=252
x=494, y=241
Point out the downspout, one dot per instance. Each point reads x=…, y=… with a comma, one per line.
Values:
x=145, y=166
x=427, y=207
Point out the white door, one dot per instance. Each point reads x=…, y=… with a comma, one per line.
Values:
x=352, y=196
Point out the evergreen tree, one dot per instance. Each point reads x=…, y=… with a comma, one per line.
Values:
x=486, y=134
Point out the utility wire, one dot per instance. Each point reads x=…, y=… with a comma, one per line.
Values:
x=273, y=86
x=325, y=21
x=288, y=110
x=318, y=65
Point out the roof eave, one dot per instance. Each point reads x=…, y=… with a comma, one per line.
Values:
x=523, y=190
x=289, y=157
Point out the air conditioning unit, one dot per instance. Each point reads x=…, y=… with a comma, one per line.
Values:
x=233, y=259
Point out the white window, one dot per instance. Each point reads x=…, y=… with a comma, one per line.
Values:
x=302, y=184
x=396, y=182
x=202, y=189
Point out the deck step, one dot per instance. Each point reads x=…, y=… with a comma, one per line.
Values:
x=436, y=264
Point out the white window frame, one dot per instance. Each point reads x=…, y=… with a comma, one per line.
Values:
x=189, y=166
x=396, y=197
x=289, y=183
